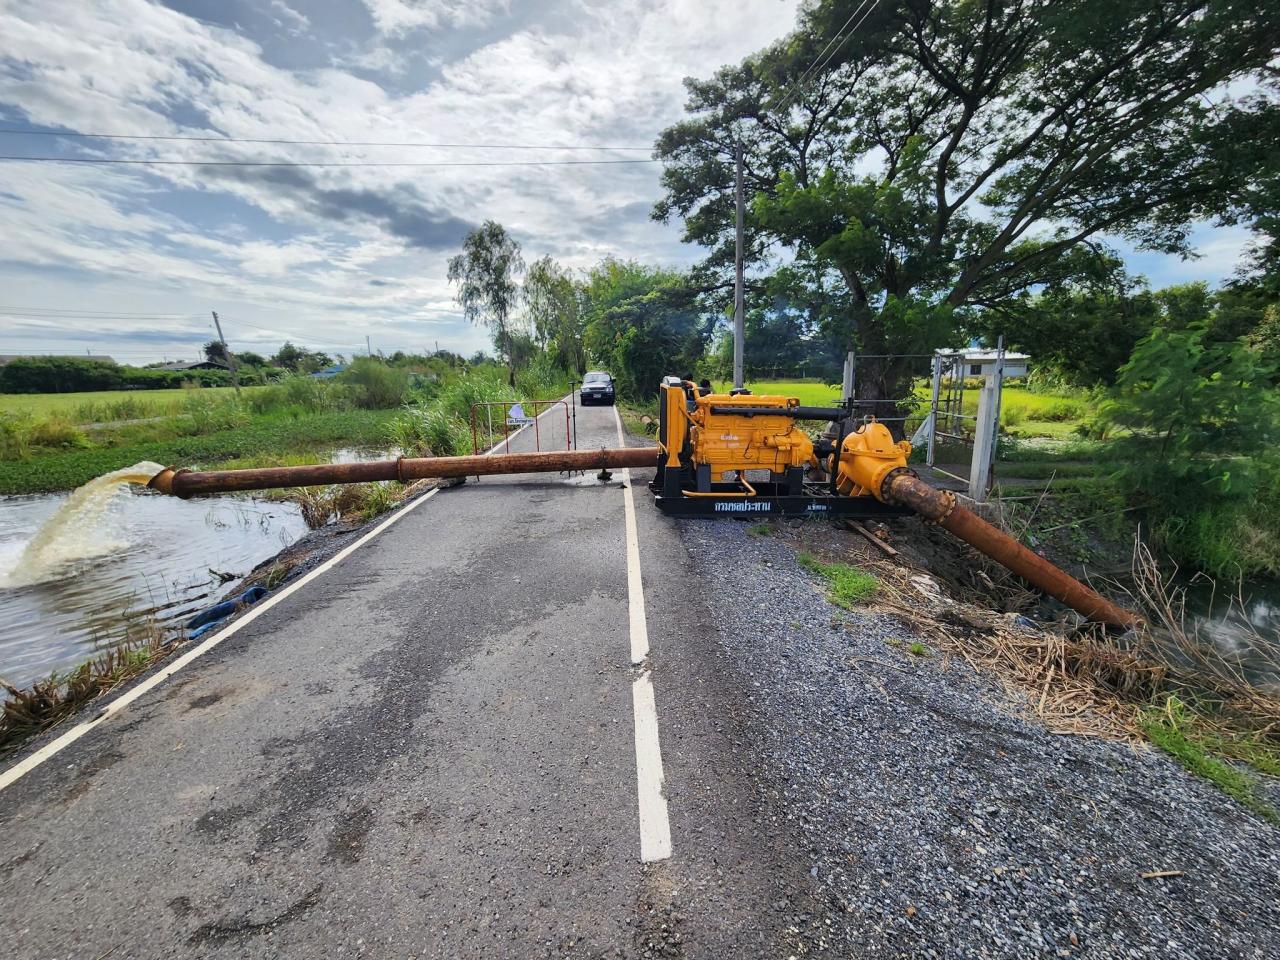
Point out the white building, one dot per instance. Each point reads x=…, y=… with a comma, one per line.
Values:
x=978, y=363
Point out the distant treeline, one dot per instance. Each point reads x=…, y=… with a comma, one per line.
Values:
x=76, y=374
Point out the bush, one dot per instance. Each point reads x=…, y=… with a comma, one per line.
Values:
x=59, y=375
x=376, y=385
x=57, y=432
x=1196, y=427
x=1012, y=414
x=79, y=374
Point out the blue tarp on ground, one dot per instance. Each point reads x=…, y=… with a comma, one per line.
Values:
x=205, y=620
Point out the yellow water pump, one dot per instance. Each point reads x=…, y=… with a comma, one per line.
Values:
x=739, y=453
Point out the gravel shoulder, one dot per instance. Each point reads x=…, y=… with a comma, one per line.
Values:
x=940, y=823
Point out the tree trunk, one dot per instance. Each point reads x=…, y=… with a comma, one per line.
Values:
x=882, y=384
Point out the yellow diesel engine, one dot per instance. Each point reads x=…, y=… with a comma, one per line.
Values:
x=739, y=453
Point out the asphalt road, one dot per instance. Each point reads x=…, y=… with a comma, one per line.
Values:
x=428, y=751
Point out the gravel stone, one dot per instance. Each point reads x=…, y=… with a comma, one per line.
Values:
x=940, y=823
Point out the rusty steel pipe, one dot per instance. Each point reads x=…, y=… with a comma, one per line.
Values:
x=942, y=508
x=190, y=483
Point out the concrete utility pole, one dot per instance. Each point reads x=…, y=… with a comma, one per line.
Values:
x=231, y=360
x=738, y=310
x=847, y=384
x=368, y=347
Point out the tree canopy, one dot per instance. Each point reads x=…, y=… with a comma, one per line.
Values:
x=487, y=274
x=643, y=323
x=947, y=157
x=554, y=308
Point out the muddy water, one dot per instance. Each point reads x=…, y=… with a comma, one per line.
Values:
x=1245, y=629
x=72, y=593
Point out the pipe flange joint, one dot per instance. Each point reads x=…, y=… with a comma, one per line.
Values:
x=887, y=483
x=951, y=501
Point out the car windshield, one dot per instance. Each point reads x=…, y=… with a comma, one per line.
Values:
x=596, y=378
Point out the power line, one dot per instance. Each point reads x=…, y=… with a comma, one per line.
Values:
x=838, y=41
x=325, y=163
x=315, y=143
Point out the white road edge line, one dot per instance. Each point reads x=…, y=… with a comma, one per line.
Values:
x=655, y=826
x=54, y=747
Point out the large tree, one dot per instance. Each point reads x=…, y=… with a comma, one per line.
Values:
x=643, y=323
x=946, y=156
x=554, y=306
x=487, y=273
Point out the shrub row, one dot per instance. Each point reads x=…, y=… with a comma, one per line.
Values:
x=77, y=375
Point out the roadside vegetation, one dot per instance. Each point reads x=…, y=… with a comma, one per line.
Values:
x=29, y=710
x=849, y=586
x=374, y=404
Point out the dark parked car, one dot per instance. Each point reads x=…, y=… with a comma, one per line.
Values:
x=597, y=387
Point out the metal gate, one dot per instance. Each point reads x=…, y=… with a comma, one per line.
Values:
x=980, y=431
x=513, y=416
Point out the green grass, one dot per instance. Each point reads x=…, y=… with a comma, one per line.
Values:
x=849, y=585
x=918, y=649
x=153, y=402
x=1174, y=729
x=276, y=433
x=1053, y=416
x=760, y=530
x=631, y=414
x=808, y=392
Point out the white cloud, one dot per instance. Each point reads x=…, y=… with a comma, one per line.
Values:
x=289, y=19
x=347, y=246
x=401, y=16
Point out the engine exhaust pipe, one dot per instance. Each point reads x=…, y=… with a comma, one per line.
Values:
x=942, y=508
x=191, y=483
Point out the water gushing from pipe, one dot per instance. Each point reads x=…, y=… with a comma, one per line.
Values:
x=76, y=530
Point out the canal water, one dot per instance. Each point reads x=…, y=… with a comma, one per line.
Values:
x=140, y=555
x=1244, y=628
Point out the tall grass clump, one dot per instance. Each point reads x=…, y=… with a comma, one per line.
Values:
x=22, y=435
x=542, y=380
x=297, y=393
x=429, y=431
x=57, y=432
x=375, y=385
x=204, y=415
x=478, y=386
x=15, y=435
x=111, y=411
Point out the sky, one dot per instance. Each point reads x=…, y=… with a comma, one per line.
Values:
x=130, y=260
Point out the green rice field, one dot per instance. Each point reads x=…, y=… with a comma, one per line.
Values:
x=141, y=403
